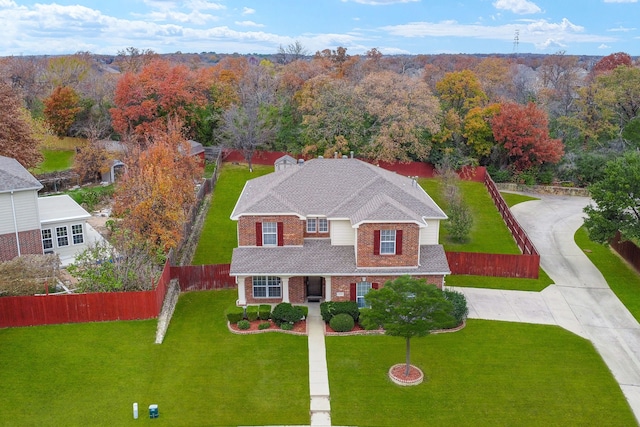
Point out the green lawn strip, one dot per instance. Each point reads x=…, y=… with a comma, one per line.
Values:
x=621, y=277
x=90, y=374
x=505, y=283
x=54, y=161
x=219, y=237
x=488, y=374
x=489, y=233
x=513, y=199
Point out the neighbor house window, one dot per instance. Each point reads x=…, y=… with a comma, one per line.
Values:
x=269, y=233
x=62, y=236
x=266, y=287
x=323, y=225
x=362, y=288
x=47, y=239
x=76, y=234
x=311, y=225
x=387, y=242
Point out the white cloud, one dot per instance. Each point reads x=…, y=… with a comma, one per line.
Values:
x=381, y=2
x=248, y=24
x=520, y=7
x=620, y=1
x=621, y=30
x=248, y=11
x=604, y=46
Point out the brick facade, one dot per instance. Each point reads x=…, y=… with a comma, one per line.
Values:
x=342, y=284
x=297, y=292
x=410, y=246
x=293, y=229
x=30, y=243
x=317, y=234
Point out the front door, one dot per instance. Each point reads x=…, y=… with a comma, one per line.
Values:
x=314, y=288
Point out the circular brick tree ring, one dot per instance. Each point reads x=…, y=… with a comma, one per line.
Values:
x=397, y=375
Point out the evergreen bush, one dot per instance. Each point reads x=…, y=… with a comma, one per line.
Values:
x=342, y=322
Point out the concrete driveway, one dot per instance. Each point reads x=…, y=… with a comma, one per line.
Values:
x=580, y=300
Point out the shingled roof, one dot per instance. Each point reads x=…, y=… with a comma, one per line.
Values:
x=14, y=177
x=338, y=189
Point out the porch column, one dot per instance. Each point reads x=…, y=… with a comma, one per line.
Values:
x=327, y=288
x=242, y=298
x=285, y=288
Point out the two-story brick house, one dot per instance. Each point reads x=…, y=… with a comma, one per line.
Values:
x=331, y=229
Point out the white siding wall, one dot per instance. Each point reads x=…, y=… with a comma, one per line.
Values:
x=342, y=234
x=26, y=208
x=430, y=234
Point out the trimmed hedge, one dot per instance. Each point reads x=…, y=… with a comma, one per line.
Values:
x=235, y=314
x=342, y=322
x=252, y=312
x=459, y=302
x=244, y=325
x=264, y=311
x=264, y=325
x=328, y=309
x=286, y=313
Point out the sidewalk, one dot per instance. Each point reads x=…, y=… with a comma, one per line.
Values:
x=320, y=408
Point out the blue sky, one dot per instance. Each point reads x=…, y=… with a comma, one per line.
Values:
x=590, y=27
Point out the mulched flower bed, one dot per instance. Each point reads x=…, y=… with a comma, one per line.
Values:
x=299, y=328
x=397, y=375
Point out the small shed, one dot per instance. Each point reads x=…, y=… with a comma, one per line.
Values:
x=284, y=162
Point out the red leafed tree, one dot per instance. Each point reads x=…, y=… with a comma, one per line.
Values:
x=145, y=100
x=61, y=109
x=156, y=192
x=610, y=62
x=523, y=132
x=17, y=139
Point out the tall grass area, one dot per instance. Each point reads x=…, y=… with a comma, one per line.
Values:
x=623, y=280
x=488, y=374
x=90, y=374
x=219, y=236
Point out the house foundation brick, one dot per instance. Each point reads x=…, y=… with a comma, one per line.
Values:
x=30, y=243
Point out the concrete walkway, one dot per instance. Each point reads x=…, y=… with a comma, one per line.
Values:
x=320, y=408
x=579, y=301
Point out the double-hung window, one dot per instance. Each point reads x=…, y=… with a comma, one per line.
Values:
x=47, y=239
x=323, y=225
x=362, y=288
x=62, y=236
x=270, y=233
x=76, y=234
x=311, y=225
x=266, y=287
x=387, y=242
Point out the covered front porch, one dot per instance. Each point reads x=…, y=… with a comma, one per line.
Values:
x=282, y=288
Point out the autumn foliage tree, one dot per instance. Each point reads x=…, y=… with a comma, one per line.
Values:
x=523, y=132
x=157, y=191
x=61, y=109
x=17, y=139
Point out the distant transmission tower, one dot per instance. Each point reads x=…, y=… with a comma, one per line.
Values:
x=516, y=41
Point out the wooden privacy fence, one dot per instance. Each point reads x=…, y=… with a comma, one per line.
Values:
x=203, y=277
x=627, y=250
x=498, y=265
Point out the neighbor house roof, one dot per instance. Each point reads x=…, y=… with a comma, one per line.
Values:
x=319, y=257
x=14, y=177
x=60, y=209
x=338, y=189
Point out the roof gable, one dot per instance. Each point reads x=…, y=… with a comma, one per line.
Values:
x=14, y=177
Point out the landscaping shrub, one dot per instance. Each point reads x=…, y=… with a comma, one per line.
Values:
x=286, y=326
x=244, y=325
x=459, y=302
x=264, y=311
x=365, y=320
x=305, y=310
x=235, y=314
x=286, y=313
x=328, y=309
x=252, y=313
x=342, y=322
x=264, y=325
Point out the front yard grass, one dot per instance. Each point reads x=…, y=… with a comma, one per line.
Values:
x=488, y=374
x=623, y=280
x=505, y=283
x=219, y=237
x=90, y=374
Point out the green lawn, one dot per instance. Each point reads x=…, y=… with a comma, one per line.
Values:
x=507, y=283
x=90, y=374
x=488, y=374
x=55, y=160
x=621, y=277
x=513, y=199
x=219, y=235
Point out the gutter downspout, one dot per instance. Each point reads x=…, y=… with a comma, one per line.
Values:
x=15, y=223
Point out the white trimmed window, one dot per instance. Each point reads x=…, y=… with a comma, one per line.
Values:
x=269, y=233
x=266, y=287
x=323, y=225
x=47, y=239
x=362, y=288
x=62, y=236
x=387, y=242
x=311, y=225
x=77, y=236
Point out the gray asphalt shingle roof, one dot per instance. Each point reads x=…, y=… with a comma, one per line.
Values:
x=326, y=260
x=338, y=188
x=14, y=177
